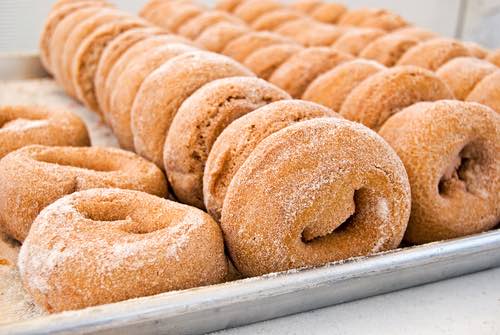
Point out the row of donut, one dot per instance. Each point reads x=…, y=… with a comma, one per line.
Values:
x=326, y=75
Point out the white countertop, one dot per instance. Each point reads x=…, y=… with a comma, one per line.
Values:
x=468, y=305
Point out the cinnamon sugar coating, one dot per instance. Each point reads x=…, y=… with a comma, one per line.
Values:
x=250, y=10
x=199, y=121
x=265, y=61
x=388, y=49
x=272, y=20
x=451, y=151
x=194, y=27
x=307, y=195
x=487, y=91
x=106, y=245
x=35, y=176
x=355, y=40
x=239, y=139
x=216, y=37
x=24, y=125
x=494, y=57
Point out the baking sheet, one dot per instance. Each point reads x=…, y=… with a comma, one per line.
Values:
x=205, y=309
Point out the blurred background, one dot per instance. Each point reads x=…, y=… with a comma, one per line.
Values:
x=472, y=20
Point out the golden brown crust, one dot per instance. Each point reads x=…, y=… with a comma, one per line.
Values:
x=106, y=245
x=123, y=95
x=487, y=91
x=239, y=139
x=194, y=27
x=199, y=121
x=355, y=40
x=216, y=37
x=265, y=61
x=451, y=152
x=462, y=74
x=388, y=49
x=324, y=199
x=35, y=176
x=295, y=75
x=434, y=53
x=243, y=46
x=387, y=92
x=163, y=91
x=272, y=20
x=332, y=88
x=25, y=125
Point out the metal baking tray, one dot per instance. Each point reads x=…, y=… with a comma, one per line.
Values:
x=210, y=308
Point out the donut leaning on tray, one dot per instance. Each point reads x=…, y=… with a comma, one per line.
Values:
x=280, y=193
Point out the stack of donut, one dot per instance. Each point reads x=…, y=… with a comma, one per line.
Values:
x=319, y=73
x=290, y=183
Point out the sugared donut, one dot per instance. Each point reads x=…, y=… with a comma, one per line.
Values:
x=123, y=95
x=494, y=57
x=418, y=33
x=84, y=64
x=55, y=17
x=487, y=91
x=163, y=91
x=305, y=6
x=383, y=19
x=216, y=37
x=194, y=27
x=265, y=61
x=385, y=93
x=355, y=40
x=127, y=58
x=242, y=47
x=272, y=20
x=173, y=14
x=476, y=50
x=250, y=10
x=199, y=121
x=35, y=176
x=355, y=17
x=113, y=52
x=309, y=32
x=329, y=12
x=332, y=88
x=308, y=195
x=462, y=74
x=302, y=68
x=388, y=49
x=451, y=151
x=434, y=53
x=106, y=245
x=228, y=5
x=239, y=139
x=24, y=125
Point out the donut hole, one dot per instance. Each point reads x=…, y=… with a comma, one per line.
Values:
x=463, y=173
x=78, y=161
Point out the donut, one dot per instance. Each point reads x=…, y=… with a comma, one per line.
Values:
x=84, y=64
x=128, y=57
x=387, y=92
x=476, y=50
x=388, y=49
x=306, y=6
x=228, y=5
x=487, y=91
x=194, y=27
x=355, y=17
x=494, y=57
x=309, y=32
x=272, y=20
x=265, y=61
x=450, y=150
x=35, y=176
x=418, y=33
x=302, y=68
x=332, y=88
x=324, y=199
x=355, y=40
x=163, y=91
x=243, y=46
x=462, y=74
x=239, y=139
x=76, y=38
x=173, y=14
x=250, y=10
x=113, y=52
x=24, y=125
x=384, y=19
x=60, y=39
x=328, y=12
x=199, y=121
x=106, y=245
x=123, y=95
x=434, y=53
x=216, y=37
x=56, y=16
